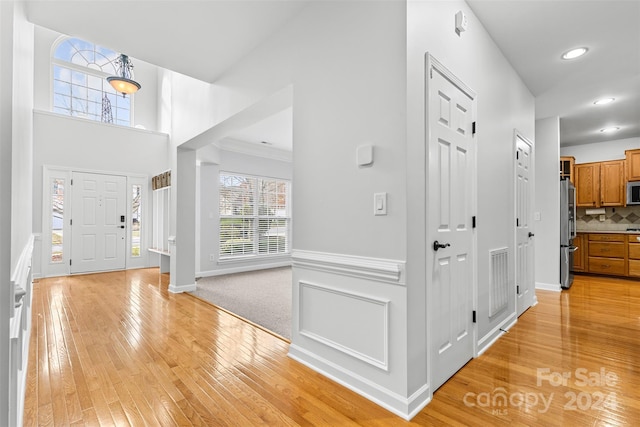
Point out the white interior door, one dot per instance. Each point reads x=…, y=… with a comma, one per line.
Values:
x=451, y=206
x=525, y=287
x=98, y=222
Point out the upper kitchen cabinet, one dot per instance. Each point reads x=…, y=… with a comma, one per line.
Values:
x=633, y=165
x=612, y=183
x=600, y=184
x=587, y=182
x=566, y=168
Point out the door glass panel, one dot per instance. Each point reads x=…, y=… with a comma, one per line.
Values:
x=57, y=219
x=136, y=219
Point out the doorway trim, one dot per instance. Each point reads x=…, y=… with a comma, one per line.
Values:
x=517, y=135
x=431, y=65
x=62, y=268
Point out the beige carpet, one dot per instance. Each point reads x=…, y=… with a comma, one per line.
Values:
x=263, y=297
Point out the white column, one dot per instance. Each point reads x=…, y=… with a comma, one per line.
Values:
x=183, y=248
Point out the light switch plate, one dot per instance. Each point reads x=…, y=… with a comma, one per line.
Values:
x=380, y=203
x=364, y=155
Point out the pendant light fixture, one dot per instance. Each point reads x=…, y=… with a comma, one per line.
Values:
x=123, y=83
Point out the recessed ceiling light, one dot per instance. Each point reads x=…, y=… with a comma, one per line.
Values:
x=574, y=53
x=610, y=129
x=604, y=101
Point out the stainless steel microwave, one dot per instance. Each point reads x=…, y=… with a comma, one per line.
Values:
x=633, y=193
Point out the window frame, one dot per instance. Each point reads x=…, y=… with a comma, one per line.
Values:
x=88, y=72
x=256, y=217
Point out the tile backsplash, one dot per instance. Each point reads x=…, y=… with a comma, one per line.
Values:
x=616, y=219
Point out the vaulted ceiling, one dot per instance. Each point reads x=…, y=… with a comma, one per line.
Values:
x=203, y=39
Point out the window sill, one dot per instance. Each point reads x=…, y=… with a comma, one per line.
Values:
x=252, y=258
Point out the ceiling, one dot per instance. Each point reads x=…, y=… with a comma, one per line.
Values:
x=204, y=38
x=534, y=34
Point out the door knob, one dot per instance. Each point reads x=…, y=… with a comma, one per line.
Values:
x=437, y=245
x=531, y=234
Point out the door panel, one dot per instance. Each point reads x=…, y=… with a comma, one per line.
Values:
x=451, y=171
x=524, y=240
x=98, y=239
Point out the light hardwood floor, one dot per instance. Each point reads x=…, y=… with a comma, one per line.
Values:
x=118, y=349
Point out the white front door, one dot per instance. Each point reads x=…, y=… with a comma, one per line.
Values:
x=98, y=222
x=524, y=232
x=450, y=210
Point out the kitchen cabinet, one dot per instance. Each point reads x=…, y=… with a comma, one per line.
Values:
x=634, y=254
x=587, y=182
x=633, y=164
x=600, y=184
x=578, y=255
x=607, y=254
x=567, y=164
x=612, y=183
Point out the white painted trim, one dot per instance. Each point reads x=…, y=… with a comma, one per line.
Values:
x=433, y=63
x=381, y=364
x=243, y=147
x=403, y=407
x=182, y=288
x=556, y=287
x=489, y=339
x=51, y=171
x=381, y=270
x=97, y=123
x=20, y=332
x=243, y=269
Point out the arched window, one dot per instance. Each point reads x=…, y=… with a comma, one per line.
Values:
x=80, y=89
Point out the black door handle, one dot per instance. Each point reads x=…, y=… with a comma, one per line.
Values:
x=437, y=245
x=531, y=234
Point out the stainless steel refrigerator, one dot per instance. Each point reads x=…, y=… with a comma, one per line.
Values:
x=567, y=232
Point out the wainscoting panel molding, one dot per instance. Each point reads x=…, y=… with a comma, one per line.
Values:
x=349, y=322
x=388, y=271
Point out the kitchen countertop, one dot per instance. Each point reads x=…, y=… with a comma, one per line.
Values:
x=609, y=231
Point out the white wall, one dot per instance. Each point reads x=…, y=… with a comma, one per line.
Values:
x=548, y=204
x=16, y=146
x=600, y=151
x=6, y=115
x=504, y=104
x=358, y=77
x=347, y=63
x=81, y=144
x=208, y=226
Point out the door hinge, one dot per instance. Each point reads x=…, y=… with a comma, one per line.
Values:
x=474, y=316
x=431, y=72
x=473, y=222
x=69, y=262
x=71, y=181
x=473, y=128
x=70, y=221
x=518, y=290
x=517, y=155
x=517, y=222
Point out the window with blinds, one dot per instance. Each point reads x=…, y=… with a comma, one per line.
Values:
x=254, y=216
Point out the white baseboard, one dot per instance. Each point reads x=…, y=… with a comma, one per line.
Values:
x=489, y=339
x=549, y=286
x=404, y=407
x=181, y=288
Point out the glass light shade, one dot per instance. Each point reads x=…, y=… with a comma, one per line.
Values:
x=123, y=85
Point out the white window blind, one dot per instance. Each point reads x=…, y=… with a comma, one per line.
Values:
x=254, y=215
